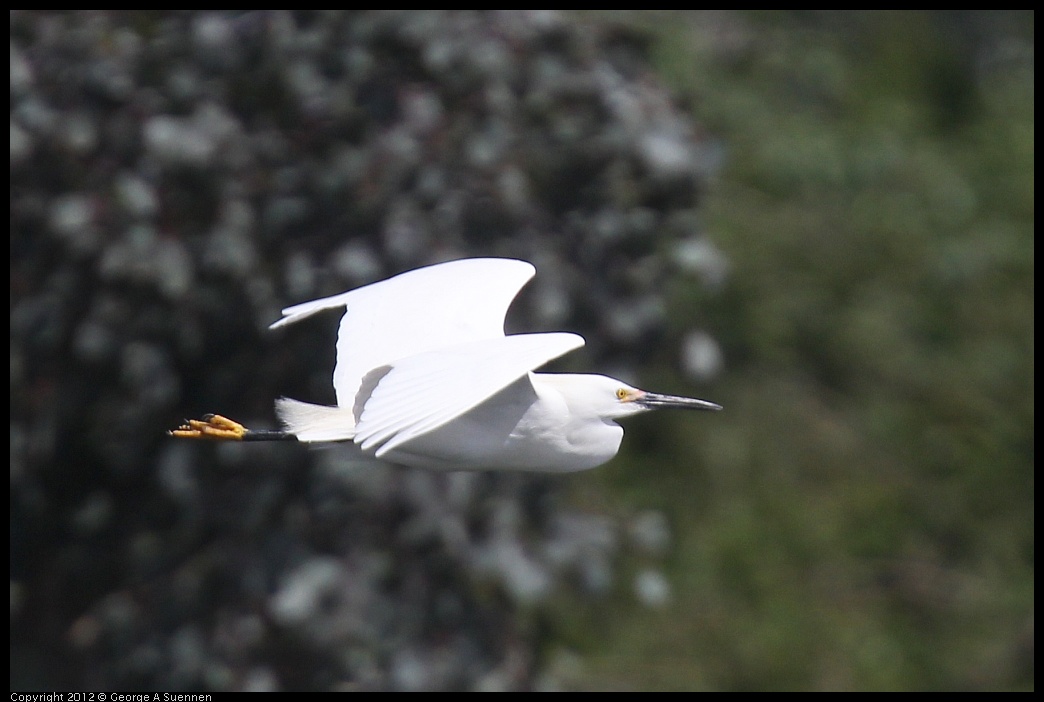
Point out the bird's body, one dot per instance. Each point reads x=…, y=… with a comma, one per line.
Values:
x=426, y=377
x=528, y=426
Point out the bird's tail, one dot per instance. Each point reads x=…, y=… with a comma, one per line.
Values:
x=316, y=422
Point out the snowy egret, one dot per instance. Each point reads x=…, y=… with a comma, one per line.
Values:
x=425, y=377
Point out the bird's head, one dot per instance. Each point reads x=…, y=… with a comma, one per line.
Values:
x=610, y=398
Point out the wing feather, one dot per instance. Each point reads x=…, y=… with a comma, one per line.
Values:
x=416, y=312
x=425, y=391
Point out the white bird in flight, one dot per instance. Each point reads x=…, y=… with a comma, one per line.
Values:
x=425, y=377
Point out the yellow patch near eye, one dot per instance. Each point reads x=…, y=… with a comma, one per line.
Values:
x=622, y=394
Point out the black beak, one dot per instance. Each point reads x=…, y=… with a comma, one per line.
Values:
x=654, y=400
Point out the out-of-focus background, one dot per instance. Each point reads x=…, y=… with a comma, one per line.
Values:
x=821, y=220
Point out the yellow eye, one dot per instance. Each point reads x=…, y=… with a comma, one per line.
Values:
x=622, y=394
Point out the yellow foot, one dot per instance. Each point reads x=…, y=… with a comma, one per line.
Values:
x=212, y=426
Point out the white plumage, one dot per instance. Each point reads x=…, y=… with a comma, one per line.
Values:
x=425, y=377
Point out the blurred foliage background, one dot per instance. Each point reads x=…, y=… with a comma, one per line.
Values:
x=861, y=517
x=835, y=240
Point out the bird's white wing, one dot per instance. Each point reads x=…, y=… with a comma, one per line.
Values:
x=416, y=312
x=423, y=392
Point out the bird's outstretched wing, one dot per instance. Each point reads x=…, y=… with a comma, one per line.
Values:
x=417, y=312
x=420, y=393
